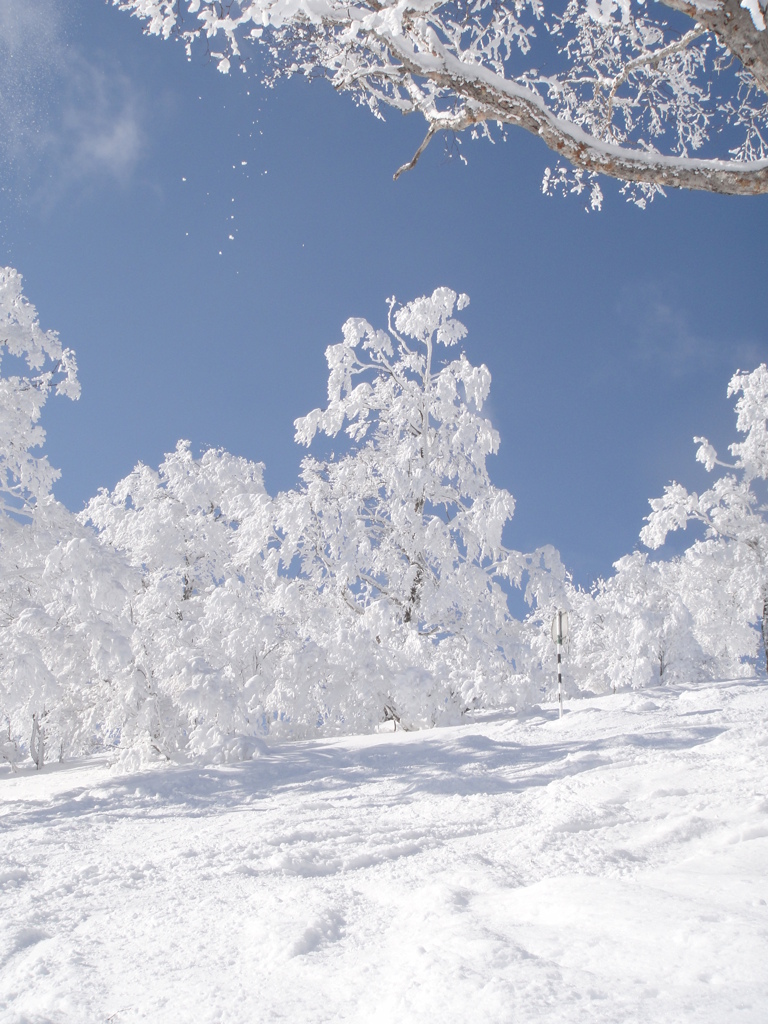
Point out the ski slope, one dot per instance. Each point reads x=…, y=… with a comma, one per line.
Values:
x=611, y=866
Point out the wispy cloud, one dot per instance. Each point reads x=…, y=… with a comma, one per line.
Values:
x=657, y=331
x=99, y=131
x=64, y=117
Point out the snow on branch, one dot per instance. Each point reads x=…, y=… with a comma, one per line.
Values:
x=24, y=478
x=651, y=96
x=733, y=510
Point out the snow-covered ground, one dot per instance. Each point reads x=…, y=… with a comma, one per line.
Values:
x=609, y=867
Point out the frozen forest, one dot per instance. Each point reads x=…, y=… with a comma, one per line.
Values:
x=188, y=613
x=454, y=708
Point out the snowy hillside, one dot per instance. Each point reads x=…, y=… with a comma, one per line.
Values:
x=608, y=867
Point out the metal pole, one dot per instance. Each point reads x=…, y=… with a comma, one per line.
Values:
x=559, y=649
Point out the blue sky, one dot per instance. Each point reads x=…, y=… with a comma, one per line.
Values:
x=124, y=169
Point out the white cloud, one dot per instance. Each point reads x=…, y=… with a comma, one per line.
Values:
x=65, y=117
x=99, y=131
x=659, y=331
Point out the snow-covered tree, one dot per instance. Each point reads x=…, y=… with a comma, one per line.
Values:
x=734, y=510
x=404, y=531
x=718, y=582
x=195, y=532
x=65, y=624
x=666, y=94
x=26, y=478
x=62, y=598
x=636, y=629
x=548, y=589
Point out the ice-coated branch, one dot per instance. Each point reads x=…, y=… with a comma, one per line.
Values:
x=612, y=88
x=25, y=479
x=731, y=509
x=648, y=60
x=737, y=26
x=489, y=98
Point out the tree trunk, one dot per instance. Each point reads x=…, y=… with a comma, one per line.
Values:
x=734, y=28
x=37, y=743
x=413, y=597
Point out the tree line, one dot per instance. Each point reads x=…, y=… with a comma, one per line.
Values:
x=189, y=613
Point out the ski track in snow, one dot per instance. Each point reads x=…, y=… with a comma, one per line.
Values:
x=607, y=867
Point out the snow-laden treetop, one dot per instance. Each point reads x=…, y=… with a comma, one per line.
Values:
x=734, y=507
x=25, y=479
